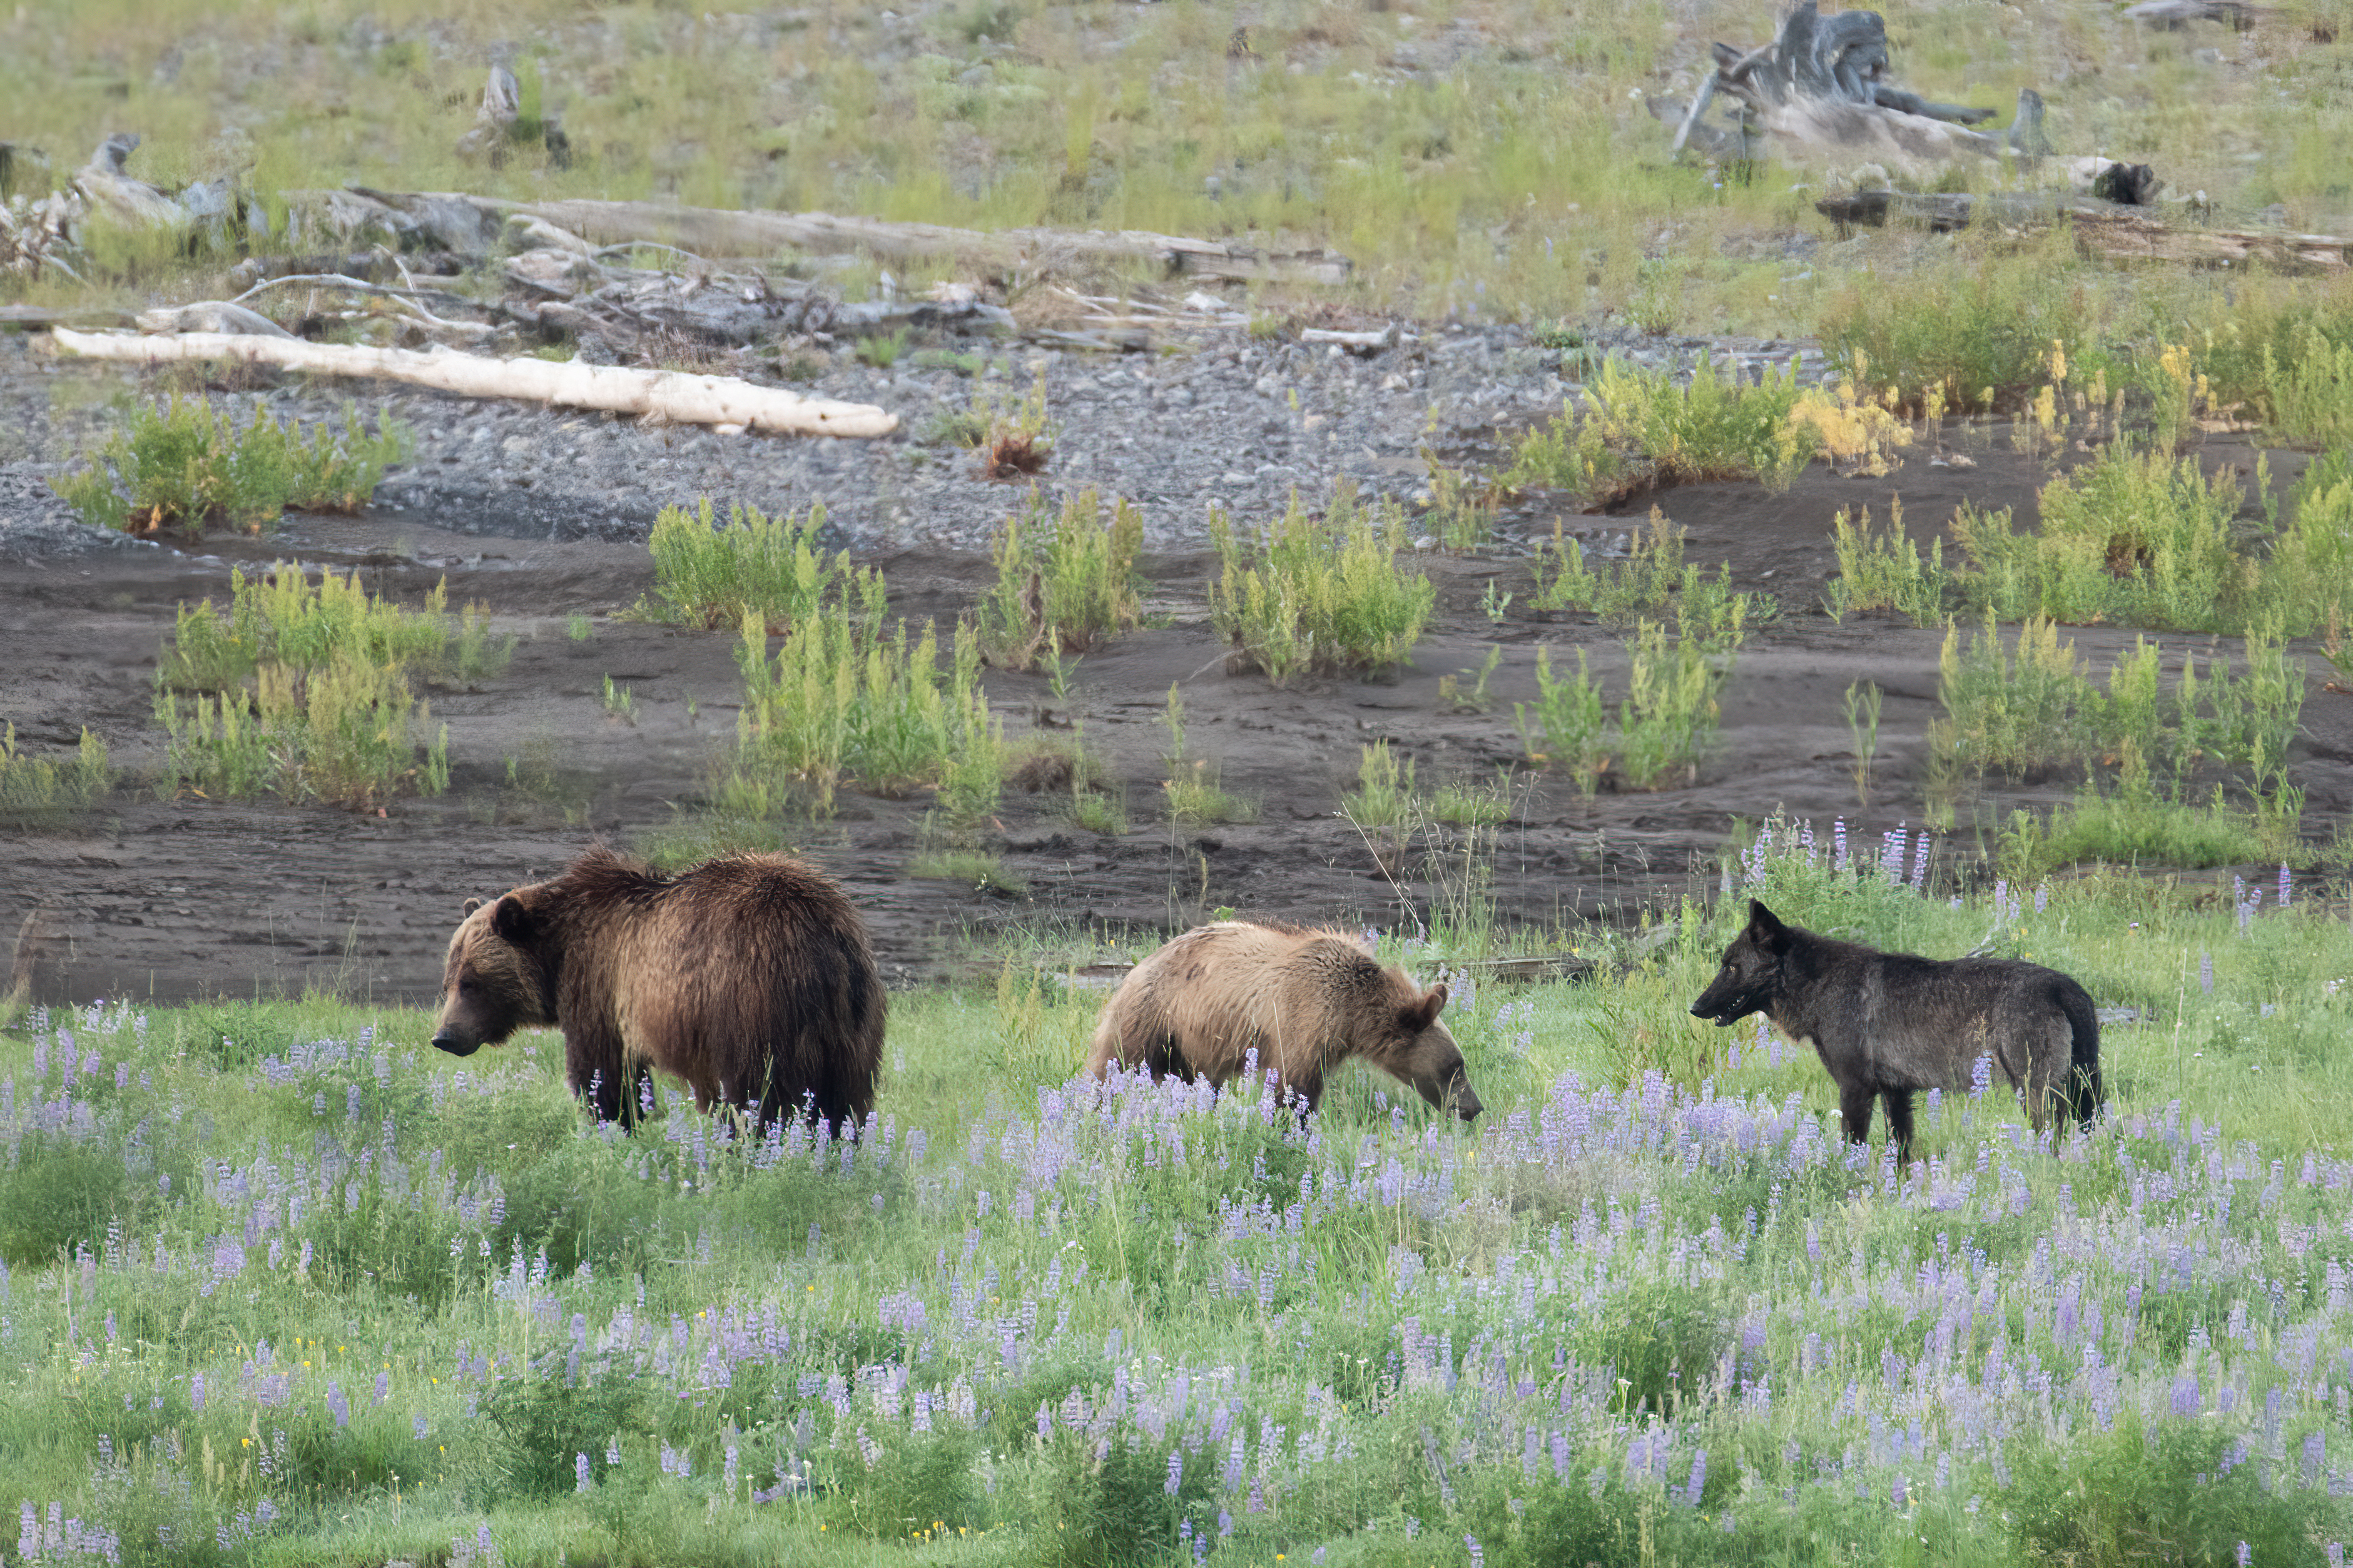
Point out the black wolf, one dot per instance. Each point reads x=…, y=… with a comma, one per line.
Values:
x=1886, y=1023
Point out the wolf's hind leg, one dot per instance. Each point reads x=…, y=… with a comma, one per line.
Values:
x=1899, y=1120
x=1854, y=1110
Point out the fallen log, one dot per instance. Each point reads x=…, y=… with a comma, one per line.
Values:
x=672, y=396
x=1820, y=89
x=2107, y=228
x=716, y=231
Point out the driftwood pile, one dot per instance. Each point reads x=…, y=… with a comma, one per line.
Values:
x=468, y=284
x=1821, y=93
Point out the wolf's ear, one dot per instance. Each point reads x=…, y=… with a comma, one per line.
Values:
x=1766, y=924
x=514, y=921
x=1424, y=1013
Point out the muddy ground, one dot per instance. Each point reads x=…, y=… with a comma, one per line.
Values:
x=175, y=899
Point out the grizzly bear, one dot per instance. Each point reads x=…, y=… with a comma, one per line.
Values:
x=749, y=976
x=1305, y=1000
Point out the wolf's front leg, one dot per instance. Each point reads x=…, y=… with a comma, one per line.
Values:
x=1899, y=1121
x=1854, y=1110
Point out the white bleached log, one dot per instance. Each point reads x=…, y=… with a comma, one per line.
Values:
x=672, y=396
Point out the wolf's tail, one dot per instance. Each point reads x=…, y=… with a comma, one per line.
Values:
x=2082, y=1093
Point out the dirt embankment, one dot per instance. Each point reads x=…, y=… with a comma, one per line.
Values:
x=543, y=519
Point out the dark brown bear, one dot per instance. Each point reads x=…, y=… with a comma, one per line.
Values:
x=1305, y=1000
x=749, y=976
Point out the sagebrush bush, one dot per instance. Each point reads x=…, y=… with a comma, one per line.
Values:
x=1322, y=593
x=709, y=575
x=187, y=463
x=1065, y=579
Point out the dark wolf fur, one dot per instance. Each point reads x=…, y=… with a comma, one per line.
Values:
x=749, y=976
x=1886, y=1023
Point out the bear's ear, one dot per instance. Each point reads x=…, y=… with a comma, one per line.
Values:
x=513, y=921
x=1424, y=1013
x=469, y=907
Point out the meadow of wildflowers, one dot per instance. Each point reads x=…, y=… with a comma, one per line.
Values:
x=279, y=1284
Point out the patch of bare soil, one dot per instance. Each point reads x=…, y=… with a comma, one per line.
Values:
x=174, y=899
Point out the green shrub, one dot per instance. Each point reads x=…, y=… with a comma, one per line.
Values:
x=348, y=732
x=1196, y=795
x=34, y=787
x=1670, y=711
x=1383, y=796
x=1884, y=571
x=1653, y=574
x=1065, y=579
x=1981, y=344
x=186, y=465
x=1570, y=720
x=1322, y=593
x=2133, y=538
x=2312, y=388
x=2309, y=576
x=545, y=1421
x=1644, y=426
x=769, y=566
x=838, y=704
x=281, y=618
x=2035, y=708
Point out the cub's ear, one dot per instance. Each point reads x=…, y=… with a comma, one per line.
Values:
x=1424, y=1013
x=469, y=907
x=514, y=921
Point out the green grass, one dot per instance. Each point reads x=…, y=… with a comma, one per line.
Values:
x=186, y=465
x=1982, y=345
x=726, y=1298
x=1066, y=580
x=1319, y=595
x=2035, y=707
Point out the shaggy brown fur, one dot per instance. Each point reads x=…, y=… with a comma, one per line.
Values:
x=749, y=976
x=1305, y=1000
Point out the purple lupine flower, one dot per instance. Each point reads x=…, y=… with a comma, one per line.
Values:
x=2042, y=898
x=580, y=1472
x=1698, y=1478
x=1898, y=1493
x=1175, y=1471
x=416, y=1428
x=2206, y=972
x=2283, y=885
x=1470, y=1543
x=1837, y=844
x=337, y=1405
x=2247, y=1555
